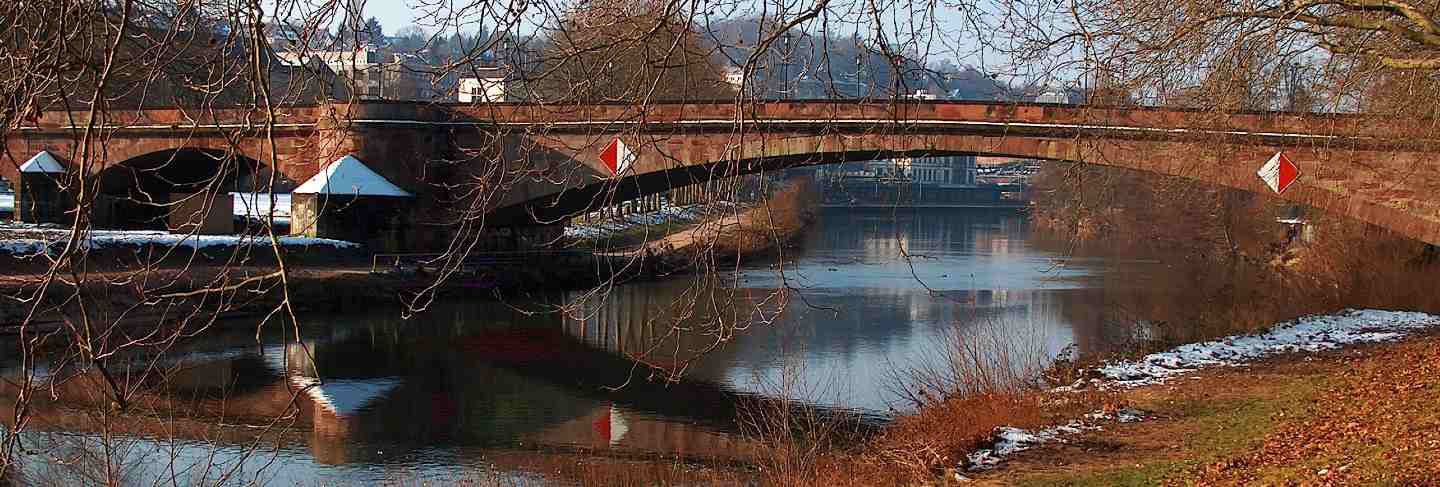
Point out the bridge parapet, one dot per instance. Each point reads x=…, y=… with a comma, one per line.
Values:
x=1046, y=116
x=719, y=114
x=176, y=118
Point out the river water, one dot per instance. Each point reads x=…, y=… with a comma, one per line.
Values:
x=494, y=389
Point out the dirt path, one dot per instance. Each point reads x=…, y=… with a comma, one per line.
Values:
x=1362, y=416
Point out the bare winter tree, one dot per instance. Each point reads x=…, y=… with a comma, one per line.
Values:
x=98, y=329
x=102, y=330
x=1342, y=48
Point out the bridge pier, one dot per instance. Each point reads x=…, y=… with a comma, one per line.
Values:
x=188, y=214
x=38, y=195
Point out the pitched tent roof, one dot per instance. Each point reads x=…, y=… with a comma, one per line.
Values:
x=43, y=163
x=349, y=176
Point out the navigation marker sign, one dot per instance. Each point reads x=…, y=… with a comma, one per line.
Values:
x=617, y=157
x=1279, y=173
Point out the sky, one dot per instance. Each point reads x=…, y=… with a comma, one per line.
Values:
x=904, y=18
x=393, y=14
x=396, y=14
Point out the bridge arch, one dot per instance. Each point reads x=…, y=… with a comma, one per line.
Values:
x=1213, y=160
x=184, y=189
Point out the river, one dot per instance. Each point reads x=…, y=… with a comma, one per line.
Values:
x=493, y=389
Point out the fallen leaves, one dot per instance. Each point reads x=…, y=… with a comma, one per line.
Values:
x=1378, y=423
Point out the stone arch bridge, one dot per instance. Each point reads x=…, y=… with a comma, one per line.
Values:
x=419, y=173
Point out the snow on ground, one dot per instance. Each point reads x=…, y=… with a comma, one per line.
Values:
x=28, y=239
x=1009, y=441
x=1308, y=334
x=668, y=214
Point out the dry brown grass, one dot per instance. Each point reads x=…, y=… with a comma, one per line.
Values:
x=939, y=436
x=773, y=222
x=981, y=376
x=984, y=375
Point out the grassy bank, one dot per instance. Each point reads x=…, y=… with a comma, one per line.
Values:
x=1360, y=415
x=1363, y=416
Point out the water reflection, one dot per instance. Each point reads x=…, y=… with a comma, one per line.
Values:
x=871, y=293
x=467, y=385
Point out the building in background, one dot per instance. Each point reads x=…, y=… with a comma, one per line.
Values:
x=484, y=85
x=309, y=82
x=940, y=181
x=957, y=170
x=735, y=77
x=1015, y=171
x=923, y=95
x=370, y=74
x=938, y=171
x=1053, y=97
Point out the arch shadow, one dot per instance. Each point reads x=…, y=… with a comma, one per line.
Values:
x=180, y=190
x=577, y=201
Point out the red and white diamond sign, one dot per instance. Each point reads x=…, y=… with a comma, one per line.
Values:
x=1279, y=173
x=617, y=157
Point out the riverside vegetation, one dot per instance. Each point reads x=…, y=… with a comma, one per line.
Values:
x=1287, y=418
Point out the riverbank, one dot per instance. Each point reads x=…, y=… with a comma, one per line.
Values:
x=1295, y=418
x=1339, y=399
x=694, y=238
x=1362, y=415
x=237, y=276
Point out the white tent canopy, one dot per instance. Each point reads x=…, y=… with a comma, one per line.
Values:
x=43, y=163
x=349, y=176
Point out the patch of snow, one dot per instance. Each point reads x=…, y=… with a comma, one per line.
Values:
x=28, y=240
x=667, y=214
x=23, y=247
x=1126, y=415
x=43, y=163
x=349, y=176
x=1009, y=441
x=346, y=397
x=1308, y=334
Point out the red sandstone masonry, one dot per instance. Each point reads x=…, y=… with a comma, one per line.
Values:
x=1379, y=171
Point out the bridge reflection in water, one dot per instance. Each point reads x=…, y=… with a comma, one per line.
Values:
x=394, y=394
x=487, y=386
